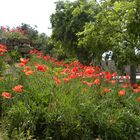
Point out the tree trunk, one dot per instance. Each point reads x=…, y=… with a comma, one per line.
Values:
x=132, y=74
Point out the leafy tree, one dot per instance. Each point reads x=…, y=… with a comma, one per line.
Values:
x=30, y=32
x=112, y=29
x=38, y=41
x=86, y=29
x=69, y=19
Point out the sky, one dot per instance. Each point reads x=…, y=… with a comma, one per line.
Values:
x=32, y=12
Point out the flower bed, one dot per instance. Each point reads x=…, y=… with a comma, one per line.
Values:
x=51, y=99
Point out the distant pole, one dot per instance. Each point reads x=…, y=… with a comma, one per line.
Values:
x=132, y=74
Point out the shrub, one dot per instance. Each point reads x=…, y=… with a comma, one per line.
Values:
x=52, y=99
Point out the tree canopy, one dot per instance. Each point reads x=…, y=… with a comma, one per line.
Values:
x=85, y=29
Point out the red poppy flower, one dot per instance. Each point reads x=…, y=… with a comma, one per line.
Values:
x=6, y=95
x=66, y=70
x=135, y=85
x=97, y=82
x=106, y=90
x=138, y=99
x=57, y=80
x=97, y=68
x=75, y=69
x=89, y=71
x=126, y=85
x=113, y=82
x=72, y=76
x=136, y=90
x=21, y=64
x=46, y=57
x=108, y=76
x=114, y=74
x=3, y=49
x=27, y=68
x=29, y=72
x=25, y=61
x=66, y=79
x=18, y=88
x=41, y=68
x=122, y=92
x=88, y=83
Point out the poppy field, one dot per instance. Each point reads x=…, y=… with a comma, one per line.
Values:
x=66, y=100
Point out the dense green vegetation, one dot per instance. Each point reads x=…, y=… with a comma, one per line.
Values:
x=60, y=91
x=85, y=29
x=50, y=99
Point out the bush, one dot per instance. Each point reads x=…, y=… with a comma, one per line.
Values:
x=3, y=49
x=53, y=99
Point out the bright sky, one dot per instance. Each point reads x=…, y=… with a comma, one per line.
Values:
x=33, y=12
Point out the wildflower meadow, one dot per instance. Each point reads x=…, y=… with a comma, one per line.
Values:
x=51, y=99
x=80, y=83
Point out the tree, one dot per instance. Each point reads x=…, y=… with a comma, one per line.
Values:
x=111, y=30
x=31, y=32
x=69, y=19
x=87, y=29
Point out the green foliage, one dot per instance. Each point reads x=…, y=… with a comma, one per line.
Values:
x=14, y=35
x=3, y=63
x=69, y=110
x=67, y=21
x=54, y=106
x=1, y=66
x=30, y=32
x=13, y=56
x=23, y=37
x=41, y=43
x=85, y=29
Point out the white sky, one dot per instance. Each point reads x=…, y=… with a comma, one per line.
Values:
x=33, y=12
